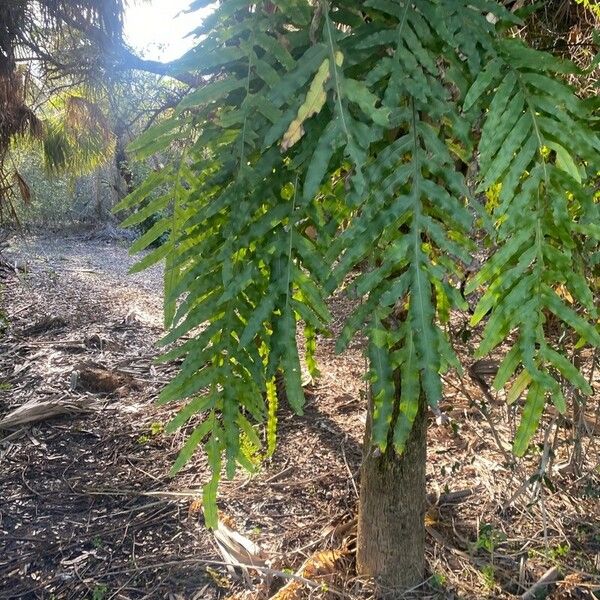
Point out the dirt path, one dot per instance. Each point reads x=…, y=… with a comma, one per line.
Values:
x=71, y=507
x=88, y=510
x=82, y=513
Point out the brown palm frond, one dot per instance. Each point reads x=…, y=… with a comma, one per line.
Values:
x=7, y=198
x=82, y=115
x=16, y=118
x=24, y=189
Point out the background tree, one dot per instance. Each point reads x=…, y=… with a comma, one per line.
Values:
x=67, y=80
x=26, y=24
x=374, y=110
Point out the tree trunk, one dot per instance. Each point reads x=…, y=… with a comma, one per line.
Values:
x=392, y=504
x=124, y=175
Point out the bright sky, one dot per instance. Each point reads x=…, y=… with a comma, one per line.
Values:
x=157, y=28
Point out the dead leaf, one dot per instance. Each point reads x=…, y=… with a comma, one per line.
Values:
x=314, y=102
x=324, y=565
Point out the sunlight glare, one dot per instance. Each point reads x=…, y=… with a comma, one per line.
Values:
x=157, y=30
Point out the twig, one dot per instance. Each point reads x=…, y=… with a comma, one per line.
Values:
x=349, y=470
x=483, y=410
x=517, y=494
x=126, y=492
x=12, y=436
x=20, y=310
x=416, y=587
x=278, y=475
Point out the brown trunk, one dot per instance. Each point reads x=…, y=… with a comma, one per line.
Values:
x=124, y=175
x=391, y=529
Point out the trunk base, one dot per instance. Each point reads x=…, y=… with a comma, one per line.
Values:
x=392, y=504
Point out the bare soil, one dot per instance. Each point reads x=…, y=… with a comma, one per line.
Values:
x=88, y=509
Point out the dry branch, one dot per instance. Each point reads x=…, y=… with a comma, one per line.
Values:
x=548, y=578
x=35, y=411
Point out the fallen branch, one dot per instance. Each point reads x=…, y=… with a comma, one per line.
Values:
x=550, y=577
x=131, y=492
x=35, y=411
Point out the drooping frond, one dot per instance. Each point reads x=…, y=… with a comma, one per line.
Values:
x=16, y=120
x=538, y=148
x=361, y=112
x=237, y=254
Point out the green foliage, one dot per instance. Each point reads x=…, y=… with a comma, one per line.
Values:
x=75, y=134
x=538, y=147
x=50, y=197
x=591, y=6
x=489, y=538
x=315, y=116
x=488, y=574
x=58, y=199
x=99, y=592
x=559, y=551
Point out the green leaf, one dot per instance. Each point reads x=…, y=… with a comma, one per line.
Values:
x=504, y=111
x=272, y=404
x=518, y=387
x=310, y=337
x=290, y=362
x=151, y=258
x=209, y=491
x=153, y=180
x=382, y=384
x=410, y=393
x=151, y=235
x=558, y=400
x=482, y=82
x=507, y=367
x=421, y=314
x=312, y=105
x=532, y=413
x=511, y=146
x=197, y=405
x=567, y=369
x=570, y=317
x=260, y=314
x=494, y=267
x=319, y=162
x=502, y=285
x=357, y=92
x=192, y=443
x=565, y=161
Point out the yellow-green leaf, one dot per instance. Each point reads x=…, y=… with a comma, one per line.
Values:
x=315, y=100
x=518, y=387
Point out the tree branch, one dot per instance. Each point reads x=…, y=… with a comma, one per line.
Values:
x=125, y=60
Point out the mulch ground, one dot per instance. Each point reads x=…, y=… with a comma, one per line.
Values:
x=88, y=509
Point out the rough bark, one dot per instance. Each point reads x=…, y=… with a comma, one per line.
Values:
x=392, y=504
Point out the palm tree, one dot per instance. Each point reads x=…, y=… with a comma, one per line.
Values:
x=58, y=40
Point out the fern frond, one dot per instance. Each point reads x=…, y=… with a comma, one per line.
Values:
x=538, y=147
